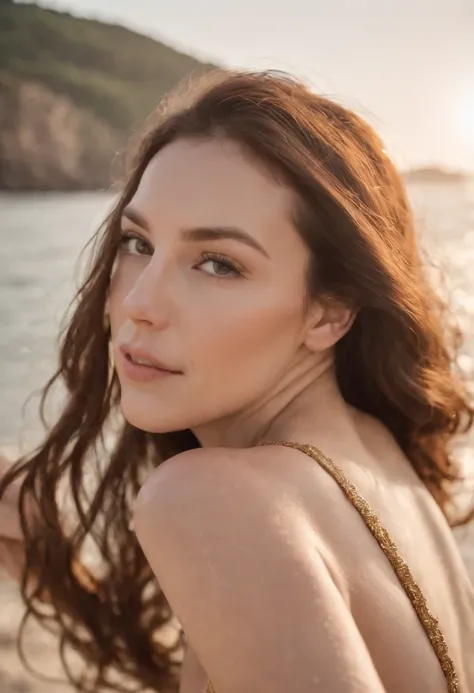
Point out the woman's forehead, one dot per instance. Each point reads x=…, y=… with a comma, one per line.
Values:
x=213, y=182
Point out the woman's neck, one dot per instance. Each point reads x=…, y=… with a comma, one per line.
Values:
x=307, y=403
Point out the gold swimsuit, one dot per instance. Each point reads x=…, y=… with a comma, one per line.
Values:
x=428, y=621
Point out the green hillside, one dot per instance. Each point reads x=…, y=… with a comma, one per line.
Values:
x=112, y=76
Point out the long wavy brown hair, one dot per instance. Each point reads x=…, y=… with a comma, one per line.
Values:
x=398, y=363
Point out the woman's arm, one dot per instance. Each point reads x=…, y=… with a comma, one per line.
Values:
x=241, y=567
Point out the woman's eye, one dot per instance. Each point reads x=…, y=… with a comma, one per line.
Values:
x=134, y=245
x=218, y=266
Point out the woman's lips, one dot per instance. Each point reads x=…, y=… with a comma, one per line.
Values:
x=140, y=366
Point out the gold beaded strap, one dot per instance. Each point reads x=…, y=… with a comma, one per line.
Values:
x=388, y=546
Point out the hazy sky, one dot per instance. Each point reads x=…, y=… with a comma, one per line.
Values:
x=407, y=65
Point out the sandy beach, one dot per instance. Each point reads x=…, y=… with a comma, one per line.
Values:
x=41, y=650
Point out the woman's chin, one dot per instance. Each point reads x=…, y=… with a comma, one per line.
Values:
x=146, y=419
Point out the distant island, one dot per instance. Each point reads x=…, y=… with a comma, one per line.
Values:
x=434, y=174
x=72, y=92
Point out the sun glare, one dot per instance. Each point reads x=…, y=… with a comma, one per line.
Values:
x=465, y=117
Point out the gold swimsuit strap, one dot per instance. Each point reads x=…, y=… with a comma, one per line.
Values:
x=388, y=546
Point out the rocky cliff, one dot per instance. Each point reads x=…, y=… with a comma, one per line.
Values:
x=72, y=91
x=49, y=142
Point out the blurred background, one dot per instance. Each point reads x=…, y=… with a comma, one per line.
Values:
x=79, y=77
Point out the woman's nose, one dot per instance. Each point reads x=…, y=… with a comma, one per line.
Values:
x=149, y=299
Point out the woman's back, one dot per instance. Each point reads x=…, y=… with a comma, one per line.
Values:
x=396, y=639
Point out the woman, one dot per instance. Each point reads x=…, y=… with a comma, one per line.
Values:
x=258, y=330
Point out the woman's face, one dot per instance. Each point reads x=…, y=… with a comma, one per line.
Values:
x=210, y=284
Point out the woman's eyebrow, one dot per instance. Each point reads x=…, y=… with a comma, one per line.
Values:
x=213, y=233
x=200, y=233
x=135, y=217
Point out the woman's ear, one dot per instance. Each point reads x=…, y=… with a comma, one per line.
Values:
x=327, y=322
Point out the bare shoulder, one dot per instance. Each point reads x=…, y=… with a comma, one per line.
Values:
x=248, y=489
x=240, y=564
x=220, y=470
